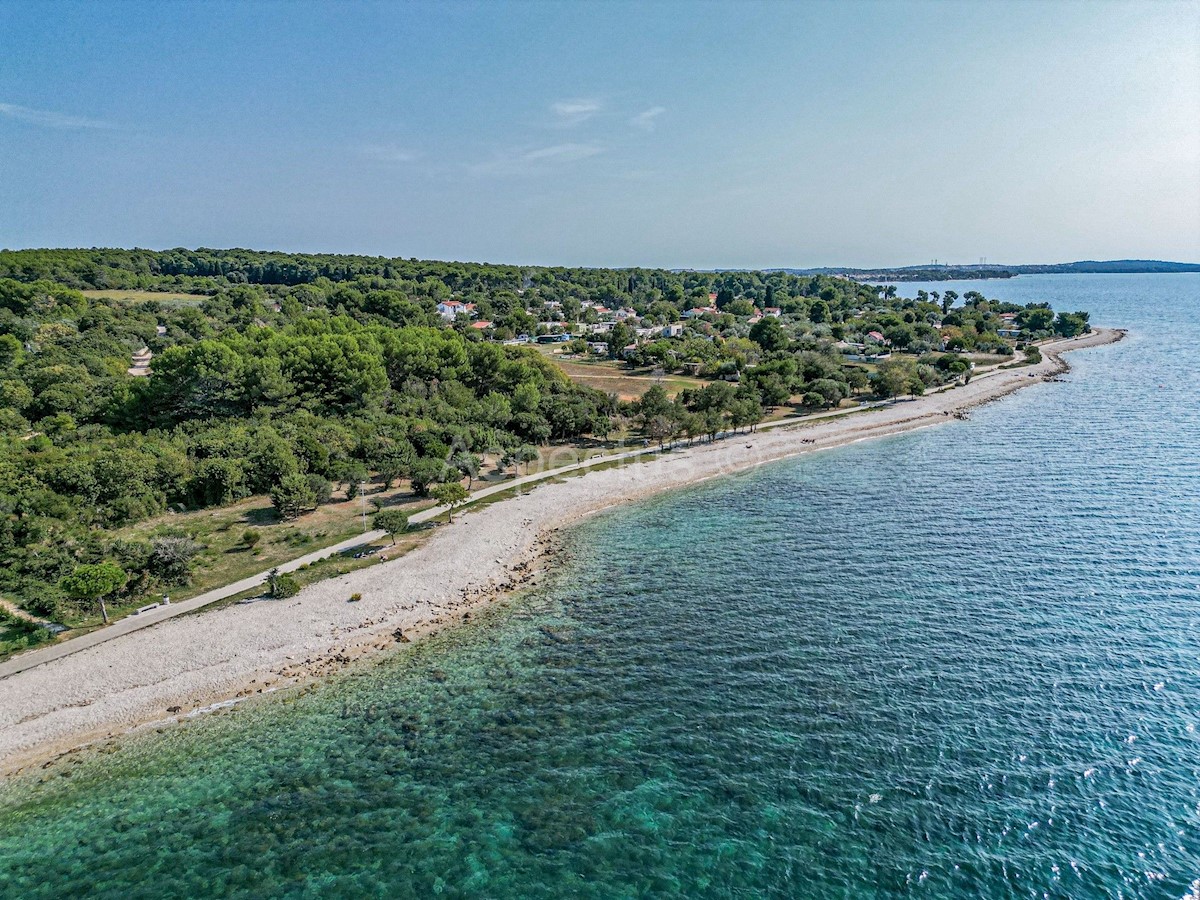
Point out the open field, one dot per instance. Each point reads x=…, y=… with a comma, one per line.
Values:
x=613, y=377
x=167, y=298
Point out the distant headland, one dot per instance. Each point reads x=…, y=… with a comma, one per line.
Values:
x=950, y=272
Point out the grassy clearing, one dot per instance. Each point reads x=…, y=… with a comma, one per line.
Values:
x=167, y=298
x=982, y=360
x=338, y=565
x=613, y=377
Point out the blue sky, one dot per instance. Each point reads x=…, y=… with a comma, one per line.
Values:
x=701, y=134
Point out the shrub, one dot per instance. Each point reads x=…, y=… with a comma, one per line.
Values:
x=354, y=598
x=281, y=586
x=171, y=558
x=250, y=538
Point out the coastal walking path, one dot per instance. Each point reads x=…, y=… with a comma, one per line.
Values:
x=32, y=658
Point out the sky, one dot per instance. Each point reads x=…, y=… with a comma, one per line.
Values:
x=689, y=135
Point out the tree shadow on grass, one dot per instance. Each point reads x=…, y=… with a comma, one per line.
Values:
x=263, y=516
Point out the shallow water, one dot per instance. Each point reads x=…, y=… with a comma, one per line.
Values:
x=963, y=662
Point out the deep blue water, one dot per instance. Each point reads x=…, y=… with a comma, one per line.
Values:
x=963, y=662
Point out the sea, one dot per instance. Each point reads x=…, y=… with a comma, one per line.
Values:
x=961, y=662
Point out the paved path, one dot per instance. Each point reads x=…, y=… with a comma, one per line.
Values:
x=137, y=622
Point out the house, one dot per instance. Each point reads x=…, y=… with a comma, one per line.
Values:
x=673, y=330
x=1009, y=332
x=481, y=325
x=598, y=347
x=712, y=298
x=699, y=311
x=626, y=313
x=773, y=311
x=452, y=309
x=755, y=319
x=628, y=350
x=877, y=337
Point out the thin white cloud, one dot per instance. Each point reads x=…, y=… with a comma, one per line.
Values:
x=530, y=161
x=48, y=119
x=388, y=153
x=648, y=119
x=573, y=112
x=564, y=152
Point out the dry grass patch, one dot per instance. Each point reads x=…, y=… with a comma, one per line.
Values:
x=167, y=298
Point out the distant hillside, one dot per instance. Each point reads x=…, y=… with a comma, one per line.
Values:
x=968, y=272
x=1119, y=266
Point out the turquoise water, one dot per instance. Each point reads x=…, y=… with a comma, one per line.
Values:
x=964, y=662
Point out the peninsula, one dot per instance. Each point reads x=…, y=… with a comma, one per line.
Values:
x=187, y=425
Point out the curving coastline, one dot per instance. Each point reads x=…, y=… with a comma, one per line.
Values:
x=189, y=663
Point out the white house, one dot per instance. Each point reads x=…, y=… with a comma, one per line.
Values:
x=452, y=309
x=673, y=330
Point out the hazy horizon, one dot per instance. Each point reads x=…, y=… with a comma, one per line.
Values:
x=701, y=136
